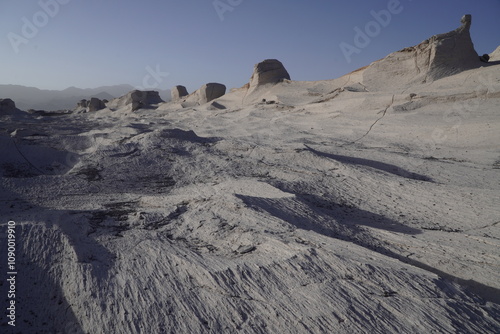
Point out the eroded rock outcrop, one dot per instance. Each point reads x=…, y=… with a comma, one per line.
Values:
x=178, y=92
x=495, y=55
x=94, y=104
x=137, y=99
x=270, y=71
x=210, y=92
x=205, y=94
x=8, y=109
x=7, y=105
x=82, y=104
x=438, y=57
x=265, y=74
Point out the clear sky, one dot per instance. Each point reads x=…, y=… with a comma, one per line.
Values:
x=55, y=44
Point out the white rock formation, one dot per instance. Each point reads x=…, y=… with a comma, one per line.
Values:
x=333, y=210
x=95, y=104
x=270, y=71
x=178, y=92
x=210, y=92
x=495, y=55
x=205, y=94
x=438, y=57
x=136, y=99
x=265, y=75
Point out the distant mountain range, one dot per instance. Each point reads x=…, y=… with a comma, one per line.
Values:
x=33, y=98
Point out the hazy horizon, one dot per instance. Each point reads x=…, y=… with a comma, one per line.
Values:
x=57, y=44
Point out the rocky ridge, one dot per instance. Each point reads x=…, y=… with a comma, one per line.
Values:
x=433, y=59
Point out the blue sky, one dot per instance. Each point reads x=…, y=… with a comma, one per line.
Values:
x=90, y=43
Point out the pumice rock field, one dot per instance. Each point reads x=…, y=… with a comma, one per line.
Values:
x=369, y=203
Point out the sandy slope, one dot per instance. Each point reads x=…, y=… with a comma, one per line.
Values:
x=330, y=209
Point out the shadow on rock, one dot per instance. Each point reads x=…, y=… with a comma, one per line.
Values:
x=382, y=166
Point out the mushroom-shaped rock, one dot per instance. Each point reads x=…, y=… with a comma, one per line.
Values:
x=269, y=71
x=136, y=99
x=178, y=92
x=205, y=94
x=210, y=91
x=95, y=104
x=7, y=105
x=145, y=97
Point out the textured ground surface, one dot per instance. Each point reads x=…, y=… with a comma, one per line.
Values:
x=327, y=209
